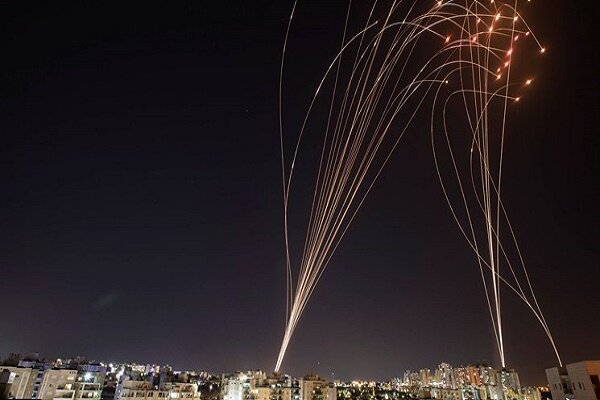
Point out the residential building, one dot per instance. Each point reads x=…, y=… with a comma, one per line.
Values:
x=20, y=382
x=58, y=384
x=235, y=386
x=578, y=381
x=313, y=387
x=144, y=390
x=89, y=383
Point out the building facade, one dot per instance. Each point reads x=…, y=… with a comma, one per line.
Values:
x=576, y=381
x=145, y=390
x=58, y=384
x=20, y=382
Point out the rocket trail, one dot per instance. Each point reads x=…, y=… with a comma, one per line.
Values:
x=456, y=56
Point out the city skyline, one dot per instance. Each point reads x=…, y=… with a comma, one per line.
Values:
x=144, y=220
x=32, y=377
x=443, y=375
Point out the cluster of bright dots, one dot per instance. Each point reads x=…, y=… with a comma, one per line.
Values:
x=490, y=30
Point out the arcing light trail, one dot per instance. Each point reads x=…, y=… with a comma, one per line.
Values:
x=378, y=82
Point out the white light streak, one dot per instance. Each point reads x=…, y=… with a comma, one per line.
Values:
x=379, y=83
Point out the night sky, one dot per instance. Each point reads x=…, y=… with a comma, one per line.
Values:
x=142, y=217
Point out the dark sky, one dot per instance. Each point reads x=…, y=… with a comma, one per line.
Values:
x=141, y=215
